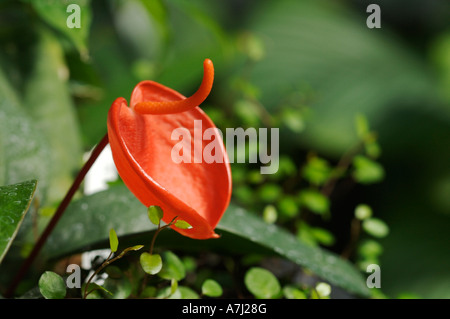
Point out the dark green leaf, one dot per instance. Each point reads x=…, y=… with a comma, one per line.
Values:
x=23, y=148
x=240, y=230
x=57, y=13
x=173, y=267
x=52, y=286
x=48, y=102
x=339, y=77
x=14, y=202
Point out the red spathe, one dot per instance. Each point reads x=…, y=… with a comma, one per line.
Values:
x=141, y=144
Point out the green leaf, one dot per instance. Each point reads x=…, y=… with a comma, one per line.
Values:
x=363, y=211
x=211, y=288
x=56, y=13
x=52, y=286
x=322, y=236
x=269, y=192
x=370, y=249
x=113, y=240
x=305, y=234
x=375, y=227
x=14, y=202
x=367, y=171
x=240, y=231
x=155, y=214
x=114, y=272
x=270, y=214
x=314, y=201
x=151, y=264
x=118, y=288
x=288, y=206
x=292, y=292
x=297, y=57
x=148, y=292
x=182, y=224
x=23, y=148
x=188, y=293
x=317, y=170
x=48, y=102
x=173, y=267
x=262, y=283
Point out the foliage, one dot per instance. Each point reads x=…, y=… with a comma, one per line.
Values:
x=363, y=175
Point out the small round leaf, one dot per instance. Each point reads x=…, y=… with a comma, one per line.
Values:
x=173, y=267
x=52, y=285
x=314, y=201
x=155, y=214
x=270, y=214
x=262, y=283
x=211, y=288
x=375, y=227
x=366, y=170
x=363, y=211
x=151, y=264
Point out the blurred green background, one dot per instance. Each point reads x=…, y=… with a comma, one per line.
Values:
x=307, y=67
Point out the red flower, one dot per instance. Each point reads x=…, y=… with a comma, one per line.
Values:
x=141, y=144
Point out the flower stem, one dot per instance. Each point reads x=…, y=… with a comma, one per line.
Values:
x=104, y=264
x=59, y=212
x=158, y=230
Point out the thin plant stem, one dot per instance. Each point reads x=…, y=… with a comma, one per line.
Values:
x=59, y=212
x=158, y=230
x=341, y=166
x=104, y=264
x=355, y=230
